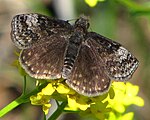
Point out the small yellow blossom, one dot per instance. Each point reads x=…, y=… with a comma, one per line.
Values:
x=76, y=102
x=48, y=90
x=93, y=3
x=62, y=89
x=46, y=108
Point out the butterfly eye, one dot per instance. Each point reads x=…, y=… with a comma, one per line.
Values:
x=88, y=25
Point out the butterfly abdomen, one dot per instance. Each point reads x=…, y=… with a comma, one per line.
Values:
x=71, y=54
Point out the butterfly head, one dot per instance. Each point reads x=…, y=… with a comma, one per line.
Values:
x=82, y=22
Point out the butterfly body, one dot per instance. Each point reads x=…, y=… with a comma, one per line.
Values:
x=74, y=45
x=54, y=49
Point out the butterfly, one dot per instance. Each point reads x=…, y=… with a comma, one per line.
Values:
x=54, y=49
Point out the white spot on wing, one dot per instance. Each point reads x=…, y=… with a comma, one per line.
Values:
x=103, y=80
x=23, y=57
x=99, y=88
x=58, y=76
x=49, y=72
x=83, y=87
x=105, y=86
x=26, y=62
x=37, y=71
x=90, y=89
x=80, y=75
x=96, y=76
x=45, y=71
x=32, y=68
x=78, y=83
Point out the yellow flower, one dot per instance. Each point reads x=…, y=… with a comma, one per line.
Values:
x=93, y=3
x=46, y=108
x=76, y=102
x=48, y=90
x=63, y=89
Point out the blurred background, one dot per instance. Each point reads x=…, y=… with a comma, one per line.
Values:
x=124, y=21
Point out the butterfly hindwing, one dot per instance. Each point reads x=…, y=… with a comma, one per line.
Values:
x=88, y=77
x=45, y=61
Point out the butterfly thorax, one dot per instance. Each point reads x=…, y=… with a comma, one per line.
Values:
x=74, y=45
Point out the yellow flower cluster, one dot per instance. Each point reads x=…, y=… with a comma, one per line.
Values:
x=43, y=97
x=117, y=99
x=125, y=95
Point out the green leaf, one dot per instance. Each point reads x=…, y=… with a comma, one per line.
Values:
x=135, y=8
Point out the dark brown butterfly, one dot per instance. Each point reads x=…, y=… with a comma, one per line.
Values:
x=54, y=49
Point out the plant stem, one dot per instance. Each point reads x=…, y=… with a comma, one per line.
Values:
x=24, y=98
x=59, y=110
x=24, y=87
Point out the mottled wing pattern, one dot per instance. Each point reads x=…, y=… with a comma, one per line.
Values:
x=118, y=62
x=31, y=29
x=45, y=61
x=88, y=77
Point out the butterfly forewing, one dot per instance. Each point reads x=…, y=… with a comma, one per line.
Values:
x=88, y=77
x=119, y=63
x=31, y=29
